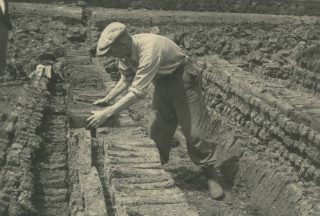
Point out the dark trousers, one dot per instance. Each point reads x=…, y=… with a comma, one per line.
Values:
x=4, y=31
x=178, y=99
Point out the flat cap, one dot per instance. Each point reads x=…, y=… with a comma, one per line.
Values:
x=108, y=36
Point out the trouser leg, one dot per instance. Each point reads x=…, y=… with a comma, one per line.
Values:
x=3, y=46
x=163, y=122
x=193, y=117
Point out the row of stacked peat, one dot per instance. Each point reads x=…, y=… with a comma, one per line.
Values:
x=19, y=142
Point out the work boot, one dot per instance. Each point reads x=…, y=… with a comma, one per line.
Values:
x=215, y=189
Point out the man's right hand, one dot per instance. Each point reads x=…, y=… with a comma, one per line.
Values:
x=101, y=102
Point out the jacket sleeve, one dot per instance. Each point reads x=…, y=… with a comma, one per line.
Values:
x=149, y=62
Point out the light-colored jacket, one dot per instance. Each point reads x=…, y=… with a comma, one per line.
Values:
x=152, y=56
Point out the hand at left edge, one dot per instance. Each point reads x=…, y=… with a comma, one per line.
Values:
x=97, y=118
x=3, y=6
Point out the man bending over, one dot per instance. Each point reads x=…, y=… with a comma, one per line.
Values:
x=177, y=98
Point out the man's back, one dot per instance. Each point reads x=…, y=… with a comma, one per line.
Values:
x=151, y=45
x=152, y=56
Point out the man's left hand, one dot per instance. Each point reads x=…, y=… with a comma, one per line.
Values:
x=98, y=118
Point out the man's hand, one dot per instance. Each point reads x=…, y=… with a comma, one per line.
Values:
x=101, y=102
x=98, y=118
x=3, y=6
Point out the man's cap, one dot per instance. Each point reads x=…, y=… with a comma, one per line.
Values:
x=108, y=36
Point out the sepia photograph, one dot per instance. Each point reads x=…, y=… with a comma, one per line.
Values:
x=160, y=108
